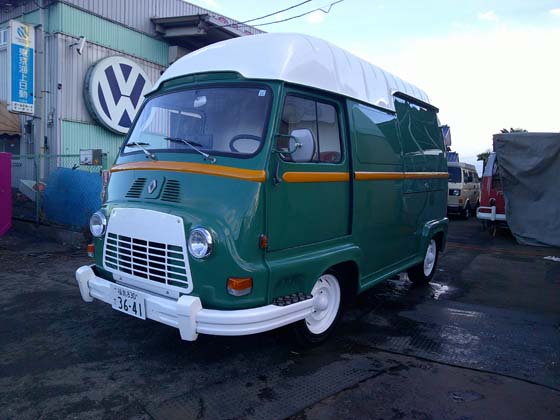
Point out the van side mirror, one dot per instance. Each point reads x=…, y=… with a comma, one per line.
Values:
x=300, y=145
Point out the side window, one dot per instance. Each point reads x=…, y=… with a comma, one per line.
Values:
x=376, y=136
x=419, y=127
x=329, y=133
x=317, y=118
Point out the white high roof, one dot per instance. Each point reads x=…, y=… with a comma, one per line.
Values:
x=299, y=59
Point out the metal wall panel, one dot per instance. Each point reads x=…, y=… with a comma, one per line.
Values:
x=137, y=13
x=71, y=73
x=17, y=12
x=31, y=17
x=76, y=136
x=72, y=21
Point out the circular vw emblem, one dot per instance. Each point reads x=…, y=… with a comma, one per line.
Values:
x=114, y=90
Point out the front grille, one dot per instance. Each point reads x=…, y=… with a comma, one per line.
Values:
x=155, y=261
x=171, y=191
x=136, y=189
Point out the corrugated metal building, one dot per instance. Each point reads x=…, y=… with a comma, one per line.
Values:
x=152, y=33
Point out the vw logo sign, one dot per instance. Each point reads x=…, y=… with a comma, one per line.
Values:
x=114, y=90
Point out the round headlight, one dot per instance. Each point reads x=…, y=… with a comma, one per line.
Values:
x=200, y=243
x=457, y=193
x=97, y=224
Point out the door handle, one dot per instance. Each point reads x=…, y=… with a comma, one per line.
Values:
x=276, y=177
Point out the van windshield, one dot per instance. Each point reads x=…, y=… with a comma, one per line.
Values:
x=215, y=121
x=454, y=174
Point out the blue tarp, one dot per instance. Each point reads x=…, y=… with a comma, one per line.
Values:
x=72, y=196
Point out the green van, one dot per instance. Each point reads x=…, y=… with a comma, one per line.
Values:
x=265, y=180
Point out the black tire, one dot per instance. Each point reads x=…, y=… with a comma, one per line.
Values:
x=418, y=274
x=309, y=331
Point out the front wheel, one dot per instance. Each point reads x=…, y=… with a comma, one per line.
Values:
x=424, y=272
x=327, y=309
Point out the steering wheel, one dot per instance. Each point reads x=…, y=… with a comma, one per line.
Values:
x=243, y=137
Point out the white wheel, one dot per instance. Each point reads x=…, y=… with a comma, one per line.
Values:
x=423, y=272
x=326, y=304
x=430, y=258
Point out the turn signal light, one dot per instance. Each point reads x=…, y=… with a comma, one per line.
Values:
x=263, y=241
x=90, y=250
x=239, y=286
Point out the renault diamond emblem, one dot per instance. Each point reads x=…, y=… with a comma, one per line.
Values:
x=152, y=186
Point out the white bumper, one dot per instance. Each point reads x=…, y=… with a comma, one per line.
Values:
x=493, y=216
x=187, y=314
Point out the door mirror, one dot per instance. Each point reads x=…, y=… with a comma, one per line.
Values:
x=299, y=145
x=303, y=144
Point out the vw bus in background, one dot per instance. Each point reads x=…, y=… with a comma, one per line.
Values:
x=266, y=180
x=492, y=210
x=464, y=189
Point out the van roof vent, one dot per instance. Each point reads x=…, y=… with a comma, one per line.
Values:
x=136, y=188
x=171, y=191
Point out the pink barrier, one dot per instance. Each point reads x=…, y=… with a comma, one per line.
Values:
x=5, y=192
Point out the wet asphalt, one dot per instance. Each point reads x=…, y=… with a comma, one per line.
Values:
x=481, y=341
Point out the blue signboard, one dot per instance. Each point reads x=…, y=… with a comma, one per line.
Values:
x=21, y=53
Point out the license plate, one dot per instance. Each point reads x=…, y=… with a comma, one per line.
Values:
x=129, y=301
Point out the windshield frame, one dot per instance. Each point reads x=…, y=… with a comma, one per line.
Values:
x=157, y=152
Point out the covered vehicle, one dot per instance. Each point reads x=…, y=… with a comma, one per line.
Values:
x=529, y=168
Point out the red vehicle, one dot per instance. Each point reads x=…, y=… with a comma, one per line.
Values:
x=492, y=205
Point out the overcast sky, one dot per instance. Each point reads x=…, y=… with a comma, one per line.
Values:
x=486, y=64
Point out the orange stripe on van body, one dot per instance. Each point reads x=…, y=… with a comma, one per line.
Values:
x=380, y=176
x=194, y=168
x=316, y=176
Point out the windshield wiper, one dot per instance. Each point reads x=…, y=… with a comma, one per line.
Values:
x=146, y=151
x=192, y=145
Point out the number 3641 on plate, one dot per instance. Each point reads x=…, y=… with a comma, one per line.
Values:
x=129, y=301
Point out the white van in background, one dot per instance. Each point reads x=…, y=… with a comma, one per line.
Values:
x=464, y=189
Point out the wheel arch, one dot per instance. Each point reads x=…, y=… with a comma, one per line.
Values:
x=349, y=273
x=436, y=229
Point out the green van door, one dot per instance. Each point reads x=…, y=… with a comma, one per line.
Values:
x=309, y=200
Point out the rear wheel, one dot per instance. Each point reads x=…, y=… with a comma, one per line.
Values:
x=424, y=272
x=467, y=211
x=327, y=309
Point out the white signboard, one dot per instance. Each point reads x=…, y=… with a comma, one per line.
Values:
x=21, y=74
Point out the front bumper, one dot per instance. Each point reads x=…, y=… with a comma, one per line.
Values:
x=489, y=213
x=454, y=209
x=188, y=315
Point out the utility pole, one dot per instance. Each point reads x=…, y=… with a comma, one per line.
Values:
x=40, y=116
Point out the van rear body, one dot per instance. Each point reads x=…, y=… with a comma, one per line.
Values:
x=492, y=203
x=265, y=180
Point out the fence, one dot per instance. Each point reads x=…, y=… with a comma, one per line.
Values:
x=55, y=189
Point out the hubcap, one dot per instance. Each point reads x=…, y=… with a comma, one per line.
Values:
x=430, y=258
x=326, y=301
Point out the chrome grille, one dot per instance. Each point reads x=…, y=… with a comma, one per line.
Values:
x=136, y=189
x=155, y=261
x=171, y=191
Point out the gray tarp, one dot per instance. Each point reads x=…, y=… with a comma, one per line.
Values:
x=529, y=164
